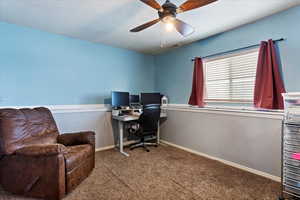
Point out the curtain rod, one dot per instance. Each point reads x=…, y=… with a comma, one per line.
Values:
x=224, y=52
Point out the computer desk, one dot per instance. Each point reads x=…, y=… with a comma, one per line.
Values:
x=127, y=118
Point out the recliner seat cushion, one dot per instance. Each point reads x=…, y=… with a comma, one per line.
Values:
x=76, y=155
x=42, y=150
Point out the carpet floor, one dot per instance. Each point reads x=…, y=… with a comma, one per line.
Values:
x=166, y=173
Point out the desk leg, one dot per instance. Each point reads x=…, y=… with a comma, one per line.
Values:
x=158, y=134
x=121, y=138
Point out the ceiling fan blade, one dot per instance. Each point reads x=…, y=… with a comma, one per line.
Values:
x=144, y=26
x=152, y=3
x=192, y=4
x=183, y=28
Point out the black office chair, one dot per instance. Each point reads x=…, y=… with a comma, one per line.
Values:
x=147, y=126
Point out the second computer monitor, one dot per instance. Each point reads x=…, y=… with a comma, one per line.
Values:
x=150, y=98
x=134, y=99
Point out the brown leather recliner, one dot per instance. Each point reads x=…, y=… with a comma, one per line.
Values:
x=36, y=161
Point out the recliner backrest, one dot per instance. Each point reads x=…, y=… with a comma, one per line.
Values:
x=150, y=117
x=22, y=127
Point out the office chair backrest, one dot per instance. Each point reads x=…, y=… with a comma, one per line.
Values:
x=150, y=117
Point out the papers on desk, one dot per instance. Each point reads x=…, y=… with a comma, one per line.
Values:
x=126, y=118
x=135, y=114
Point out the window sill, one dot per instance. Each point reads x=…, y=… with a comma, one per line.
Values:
x=228, y=110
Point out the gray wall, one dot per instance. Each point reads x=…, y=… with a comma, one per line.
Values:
x=98, y=121
x=249, y=141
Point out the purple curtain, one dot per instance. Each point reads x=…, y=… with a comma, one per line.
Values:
x=268, y=84
x=198, y=88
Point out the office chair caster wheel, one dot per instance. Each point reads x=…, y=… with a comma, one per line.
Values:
x=280, y=198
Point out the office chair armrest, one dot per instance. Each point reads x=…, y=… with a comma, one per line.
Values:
x=70, y=139
x=42, y=150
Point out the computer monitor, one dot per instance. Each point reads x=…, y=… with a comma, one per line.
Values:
x=119, y=99
x=134, y=99
x=150, y=98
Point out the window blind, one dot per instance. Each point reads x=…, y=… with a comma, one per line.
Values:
x=231, y=77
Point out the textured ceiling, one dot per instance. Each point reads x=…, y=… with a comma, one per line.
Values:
x=109, y=21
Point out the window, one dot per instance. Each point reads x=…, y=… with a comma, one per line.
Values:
x=231, y=78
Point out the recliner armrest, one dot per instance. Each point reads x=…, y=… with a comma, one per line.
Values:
x=42, y=150
x=69, y=139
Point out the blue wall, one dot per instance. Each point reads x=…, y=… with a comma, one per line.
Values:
x=39, y=68
x=174, y=68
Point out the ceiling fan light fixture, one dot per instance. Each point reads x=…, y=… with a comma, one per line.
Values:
x=168, y=19
x=167, y=13
x=169, y=22
x=169, y=26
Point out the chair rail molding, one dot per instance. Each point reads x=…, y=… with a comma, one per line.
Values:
x=227, y=110
x=69, y=108
x=224, y=110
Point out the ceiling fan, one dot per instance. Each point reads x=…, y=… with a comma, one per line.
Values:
x=167, y=14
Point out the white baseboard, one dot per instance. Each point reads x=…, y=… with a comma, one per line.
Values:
x=105, y=148
x=113, y=146
x=254, y=171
